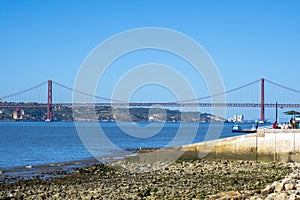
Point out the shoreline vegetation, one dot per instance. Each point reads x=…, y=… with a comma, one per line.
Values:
x=182, y=179
x=103, y=114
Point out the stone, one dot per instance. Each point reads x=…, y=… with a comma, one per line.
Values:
x=267, y=190
x=292, y=197
x=278, y=187
x=253, y=198
x=271, y=196
x=289, y=186
x=286, y=180
x=298, y=186
x=294, y=176
x=177, y=180
x=297, y=197
x=228, y=195
x=281, y=196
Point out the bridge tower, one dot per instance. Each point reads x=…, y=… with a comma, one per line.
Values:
x=262, y=100
x=49, y=105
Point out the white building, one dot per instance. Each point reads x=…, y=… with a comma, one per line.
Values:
x=237, y=118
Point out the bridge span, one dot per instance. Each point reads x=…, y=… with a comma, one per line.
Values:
x=18, y=99
x=150, y=104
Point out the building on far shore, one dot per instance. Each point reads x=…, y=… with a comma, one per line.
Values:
x=18, y=114
x=236, y=119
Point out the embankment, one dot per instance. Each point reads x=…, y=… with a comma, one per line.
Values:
x=267, y=145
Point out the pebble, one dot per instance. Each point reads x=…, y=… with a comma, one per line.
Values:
x=198, y=179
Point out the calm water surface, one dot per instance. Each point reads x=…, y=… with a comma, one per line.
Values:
x=39, y=143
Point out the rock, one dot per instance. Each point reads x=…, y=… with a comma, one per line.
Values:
x=294, y=176
x=292, y=197
x=227, y=195
x=196, y=179
x=271, y=196
x=267, y=190
x=297, y=197
x=286, y=180
x=298, y=186
x=278, y=187
x=281, y=196
x=289, y=186
x=253, y=198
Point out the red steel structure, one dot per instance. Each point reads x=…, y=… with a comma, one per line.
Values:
x=7, y=103
x=262, y=100
x=49, y=104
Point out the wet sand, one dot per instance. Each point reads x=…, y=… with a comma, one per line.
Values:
x=198, y=179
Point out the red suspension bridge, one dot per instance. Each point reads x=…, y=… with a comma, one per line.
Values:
x=43, y=95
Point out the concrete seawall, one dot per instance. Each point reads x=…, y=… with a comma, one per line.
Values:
x=266, y=145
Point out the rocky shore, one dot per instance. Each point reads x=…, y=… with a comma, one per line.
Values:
x=198, y=179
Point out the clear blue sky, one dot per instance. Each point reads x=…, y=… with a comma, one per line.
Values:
x=41, y=40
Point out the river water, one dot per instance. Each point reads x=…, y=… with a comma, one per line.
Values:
x=41, y=143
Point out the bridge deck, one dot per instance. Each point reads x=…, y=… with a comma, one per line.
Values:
x=150, y=104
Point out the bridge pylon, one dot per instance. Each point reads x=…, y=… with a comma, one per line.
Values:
x=262, y=100
x=49, y=104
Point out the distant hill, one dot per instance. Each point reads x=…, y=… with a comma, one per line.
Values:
x=106, y=114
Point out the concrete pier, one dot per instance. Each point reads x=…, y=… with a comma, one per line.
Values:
x=267, y=145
